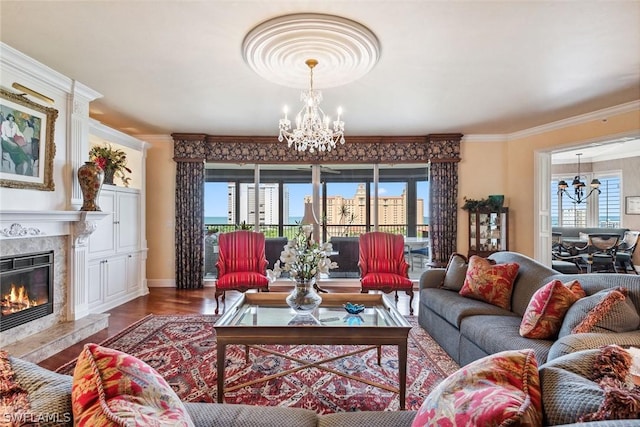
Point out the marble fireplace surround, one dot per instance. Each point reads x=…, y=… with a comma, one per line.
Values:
x=66, y=233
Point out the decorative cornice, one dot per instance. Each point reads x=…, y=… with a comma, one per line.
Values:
x=27, y=66
x=358, y=149
x=99, y=130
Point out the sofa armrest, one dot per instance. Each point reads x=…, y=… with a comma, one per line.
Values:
x=577, y=342
x=432, y=278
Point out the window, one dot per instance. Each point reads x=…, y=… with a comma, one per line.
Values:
x=599, y=210
x=609, y=201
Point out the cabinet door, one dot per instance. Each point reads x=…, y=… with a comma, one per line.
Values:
x=128, y=221
x=133, y=272
x=115, y=276
x=95, y=283
x=103, y=240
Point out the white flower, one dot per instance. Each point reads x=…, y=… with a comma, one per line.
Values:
x=303, y=257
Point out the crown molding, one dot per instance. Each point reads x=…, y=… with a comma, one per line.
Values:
x=486, y=138
x=560, y=124
x=577, y=120
x=22, y=64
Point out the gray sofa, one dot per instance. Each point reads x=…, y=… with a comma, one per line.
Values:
x=50, y=394
x=469, y=329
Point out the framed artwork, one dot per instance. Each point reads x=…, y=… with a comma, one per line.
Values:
x=632, y=205
x=28, y=149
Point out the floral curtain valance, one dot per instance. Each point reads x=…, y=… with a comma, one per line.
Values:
x=358, y=149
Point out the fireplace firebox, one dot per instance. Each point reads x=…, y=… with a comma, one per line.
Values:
x=26, y=288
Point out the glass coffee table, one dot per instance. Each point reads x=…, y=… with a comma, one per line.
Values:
x=264, y=318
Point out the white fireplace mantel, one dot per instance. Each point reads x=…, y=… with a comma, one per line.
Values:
x=19, y=224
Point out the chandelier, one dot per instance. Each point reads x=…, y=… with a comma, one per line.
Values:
x=578, y=187
x=312, y=126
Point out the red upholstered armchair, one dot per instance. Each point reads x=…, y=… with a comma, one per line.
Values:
x=382, y=264
x=241, y=263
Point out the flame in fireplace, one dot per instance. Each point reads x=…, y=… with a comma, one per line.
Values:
x=16, y=300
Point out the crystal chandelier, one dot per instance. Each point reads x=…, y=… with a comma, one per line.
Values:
x=312, y=126
x=578, y=187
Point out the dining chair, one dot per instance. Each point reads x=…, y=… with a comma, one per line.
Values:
x=383, y=266
x=562, y=259
x=600, y=252
x=241, y=263
x=625, y=250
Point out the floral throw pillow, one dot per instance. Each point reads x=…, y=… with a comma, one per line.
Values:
x=544, y=314
x=111, y=388
x=488, y=282
x=497, y=390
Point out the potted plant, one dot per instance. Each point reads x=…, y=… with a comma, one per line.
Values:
x=113, y=161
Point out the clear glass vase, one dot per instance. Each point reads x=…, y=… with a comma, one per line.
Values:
x=304, y=298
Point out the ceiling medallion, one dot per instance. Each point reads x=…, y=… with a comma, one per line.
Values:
x=278, y=48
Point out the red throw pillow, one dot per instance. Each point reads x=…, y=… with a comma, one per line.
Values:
x=544, y=314
x=490, y=283
x=111, y=388
x=498, y=390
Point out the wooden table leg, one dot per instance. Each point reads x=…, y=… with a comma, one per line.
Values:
x=221, y=362
x=402, y=372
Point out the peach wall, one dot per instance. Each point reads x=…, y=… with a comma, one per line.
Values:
x=481, y=172
x=161, y=189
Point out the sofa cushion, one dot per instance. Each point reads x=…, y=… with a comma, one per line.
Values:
x=488, y=282
x=613, y=313
x=494, y=334
x=546, y=310
x=453, y=307
x=48, y=392
x=224, y=415
x=113, y=388
x=567, y=392
x=455, y=272
x=501, y=389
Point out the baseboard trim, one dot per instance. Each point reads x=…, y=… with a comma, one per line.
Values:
x=161, y=283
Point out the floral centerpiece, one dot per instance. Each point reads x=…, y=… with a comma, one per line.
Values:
x=112, y=160
x=304, y=259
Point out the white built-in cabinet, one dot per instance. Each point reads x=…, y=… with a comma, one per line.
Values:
x=117, y=248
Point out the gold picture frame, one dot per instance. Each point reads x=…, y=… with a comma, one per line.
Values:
x=28, y=148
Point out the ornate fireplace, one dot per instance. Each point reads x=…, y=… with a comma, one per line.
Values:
x=26, y=288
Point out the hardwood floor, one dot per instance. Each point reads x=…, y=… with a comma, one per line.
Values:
x=181, y=301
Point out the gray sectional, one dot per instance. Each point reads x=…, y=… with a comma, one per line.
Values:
x=468, y=329
x=50, y=393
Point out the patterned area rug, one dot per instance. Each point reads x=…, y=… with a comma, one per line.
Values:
x=183, y=350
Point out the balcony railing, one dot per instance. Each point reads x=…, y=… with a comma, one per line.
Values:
x=289, y=230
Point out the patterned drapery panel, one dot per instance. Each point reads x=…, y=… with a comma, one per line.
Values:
x=443, y=211
x=189, y=223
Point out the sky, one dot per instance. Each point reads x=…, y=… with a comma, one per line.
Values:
x=216, y=205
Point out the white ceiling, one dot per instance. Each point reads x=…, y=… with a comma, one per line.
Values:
x=474, y=67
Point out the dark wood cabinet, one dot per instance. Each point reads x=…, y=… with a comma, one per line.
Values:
x=488, y=231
